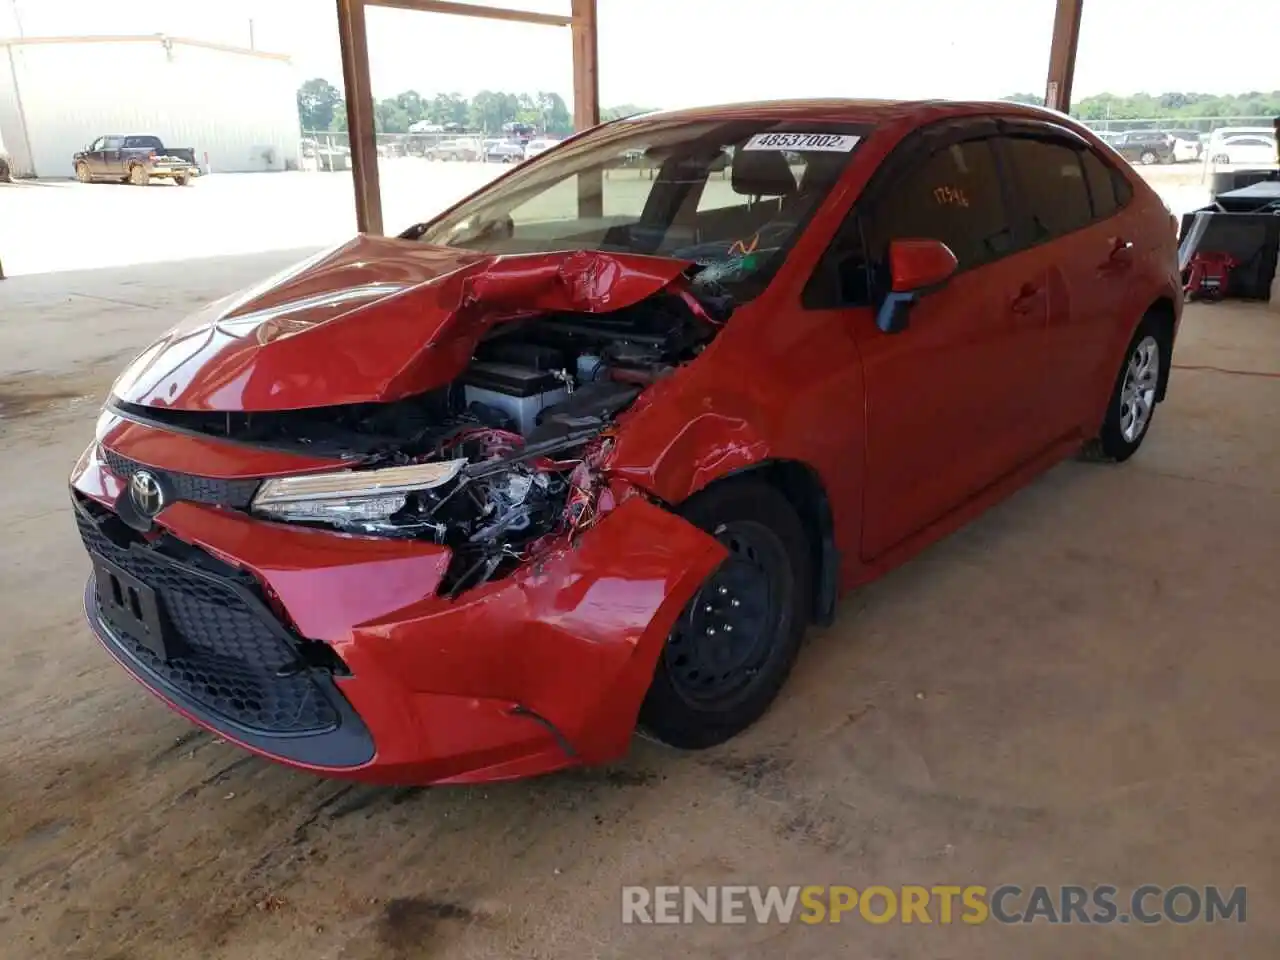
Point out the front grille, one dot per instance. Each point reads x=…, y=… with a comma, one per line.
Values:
x=187, y=486
x=236, y=661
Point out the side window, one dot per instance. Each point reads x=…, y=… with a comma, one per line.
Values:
x=99, y=144
x=1053, y=186
x=1102, y=187
x=111, y=143
x=954, y=196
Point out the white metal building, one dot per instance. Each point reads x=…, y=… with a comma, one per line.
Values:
x=236, y=107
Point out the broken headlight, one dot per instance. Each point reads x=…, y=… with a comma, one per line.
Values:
x=350, y=498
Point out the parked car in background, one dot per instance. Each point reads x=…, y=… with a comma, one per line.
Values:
x=522, y=133
x=471, y=503
x=463, y=148
x=540, y=145
x=1145, y=146
x=1256, y=148
x=136, y=160
x=503, y=151
x=1188, y=145
x=6, y=168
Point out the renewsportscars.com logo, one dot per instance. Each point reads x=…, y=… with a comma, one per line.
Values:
x=942, y=904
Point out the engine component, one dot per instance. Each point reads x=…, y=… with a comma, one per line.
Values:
x=519, y=392
x=591, y=405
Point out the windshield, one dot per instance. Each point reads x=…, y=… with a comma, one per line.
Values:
x=731, y=195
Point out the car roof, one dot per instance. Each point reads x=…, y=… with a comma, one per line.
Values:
x=853, y=110
x=1239, y=131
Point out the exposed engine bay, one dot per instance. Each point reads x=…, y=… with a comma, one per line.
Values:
x=494, y=463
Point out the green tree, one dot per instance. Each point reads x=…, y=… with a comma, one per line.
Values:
x=413, y=105
x=448, y=108
x=317, y=101
x=390, y=117
x=339, y=122
x=556, y=118
x=490, y=110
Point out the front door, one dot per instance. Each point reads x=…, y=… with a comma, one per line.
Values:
x=956, y=401
x=113, y=157
x=95, y=155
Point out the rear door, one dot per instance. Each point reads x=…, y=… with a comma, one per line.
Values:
x=954, y=402
x=1070, y=202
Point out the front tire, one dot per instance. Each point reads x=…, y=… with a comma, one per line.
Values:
x=1147, y=158
x=734, y=645
x=1133, y=398
x=83, y=173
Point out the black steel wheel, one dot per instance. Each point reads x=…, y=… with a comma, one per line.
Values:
x=735, y=642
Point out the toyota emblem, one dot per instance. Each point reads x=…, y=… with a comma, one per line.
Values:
x=146, y=493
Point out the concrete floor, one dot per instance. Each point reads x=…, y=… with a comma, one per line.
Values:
x=1080, y=687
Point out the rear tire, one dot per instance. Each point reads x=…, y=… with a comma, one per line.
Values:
x=1132, y=405
x=138, y=175
x=735, y=643
x=183, y=179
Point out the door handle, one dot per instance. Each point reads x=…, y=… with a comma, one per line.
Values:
x=1027, y=299
x=1121, y=254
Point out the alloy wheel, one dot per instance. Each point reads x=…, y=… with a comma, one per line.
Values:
x=1138, y=392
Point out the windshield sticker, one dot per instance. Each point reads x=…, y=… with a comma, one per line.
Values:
x=825, y=142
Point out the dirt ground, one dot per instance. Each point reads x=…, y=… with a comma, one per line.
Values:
x=1081, y=687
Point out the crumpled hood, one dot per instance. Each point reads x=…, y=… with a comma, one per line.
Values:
x=375, y=319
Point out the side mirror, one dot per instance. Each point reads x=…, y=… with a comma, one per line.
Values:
x=916, y=268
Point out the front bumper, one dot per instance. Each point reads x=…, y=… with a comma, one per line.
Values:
x=541, y=670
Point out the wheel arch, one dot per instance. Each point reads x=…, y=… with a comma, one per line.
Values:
x=804, y=490
x=1164, y=318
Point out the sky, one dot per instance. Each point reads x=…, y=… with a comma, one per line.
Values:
x=676, y=53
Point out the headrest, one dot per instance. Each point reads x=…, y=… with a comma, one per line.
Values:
x=762, y=173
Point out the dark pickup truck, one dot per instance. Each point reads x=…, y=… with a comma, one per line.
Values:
x=135, y=160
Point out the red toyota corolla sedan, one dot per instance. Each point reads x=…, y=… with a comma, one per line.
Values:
x=590, y=449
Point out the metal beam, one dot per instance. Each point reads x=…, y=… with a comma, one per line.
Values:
x=1062, y=55
x=475, y=10
x=354, y=41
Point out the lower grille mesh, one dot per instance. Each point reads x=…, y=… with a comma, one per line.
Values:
x=233, y=662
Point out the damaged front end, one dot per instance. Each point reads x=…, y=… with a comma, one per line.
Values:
x=506, y=457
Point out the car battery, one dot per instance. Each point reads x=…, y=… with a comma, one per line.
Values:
x=519, y=392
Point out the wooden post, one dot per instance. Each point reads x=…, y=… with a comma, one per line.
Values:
x=586, y=60
x=1062, y=55
x=353, y=39
x=586, y=100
